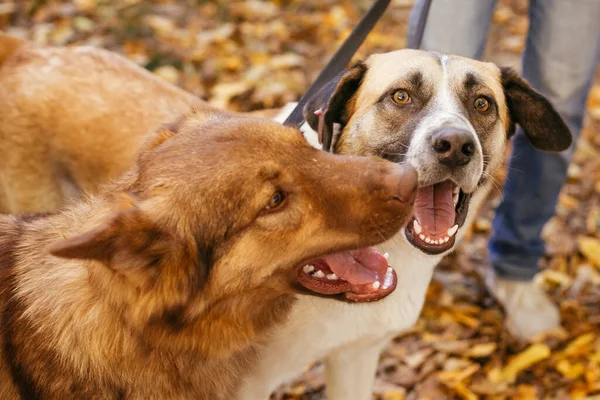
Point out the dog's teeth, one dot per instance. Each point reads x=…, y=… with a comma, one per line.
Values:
x=446, y=239
x=387, y=256
x=387, y=281
x=319, y=274
x=422, y=236
x=376, y=285
x=418, y=229
x=332, y=277
x=308, y=268
x=427, y=240
x=452, y=230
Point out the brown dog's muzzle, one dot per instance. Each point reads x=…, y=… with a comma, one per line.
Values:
x=383, y=194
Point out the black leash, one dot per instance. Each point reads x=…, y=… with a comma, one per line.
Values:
x=340, y=59
x=344, y=54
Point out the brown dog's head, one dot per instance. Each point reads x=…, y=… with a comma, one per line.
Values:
x=220, y=207
x=449, y=117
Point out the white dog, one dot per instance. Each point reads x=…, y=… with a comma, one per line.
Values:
x=451, y=118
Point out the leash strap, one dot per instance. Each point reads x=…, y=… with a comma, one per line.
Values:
x=344, y=54
x=340, y=59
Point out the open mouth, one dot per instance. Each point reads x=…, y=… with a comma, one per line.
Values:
x=359, y=275
x=440, y=210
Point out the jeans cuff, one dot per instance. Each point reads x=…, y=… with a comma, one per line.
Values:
x=523, y=270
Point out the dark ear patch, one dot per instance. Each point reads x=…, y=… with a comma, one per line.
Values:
x=319, y=101
x=331, y=104
x=541, y=123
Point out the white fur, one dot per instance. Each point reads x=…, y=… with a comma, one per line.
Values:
x=445, y=111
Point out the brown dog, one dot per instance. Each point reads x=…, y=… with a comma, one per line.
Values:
x=72, y=119
x=159, y=287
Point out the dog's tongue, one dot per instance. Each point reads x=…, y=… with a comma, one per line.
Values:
x=434, y=208
x=358, y=266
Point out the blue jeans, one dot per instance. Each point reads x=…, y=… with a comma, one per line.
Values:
x=560, y=59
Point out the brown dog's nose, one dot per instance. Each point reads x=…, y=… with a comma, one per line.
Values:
x=403, y=180
x=454, y=147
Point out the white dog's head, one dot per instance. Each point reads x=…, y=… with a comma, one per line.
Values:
x=448, y=116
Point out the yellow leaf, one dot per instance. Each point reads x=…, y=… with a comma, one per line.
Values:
x=590, y=248
x=569, y=370
x=580, y=344
x=579, y=391
x=503, y=14
x=481, y=350
x=394, y=395
x=567, y=201
x=495, y=375
x=594, y=97
x=592, y=375
x=465, y=319
x=525, y=392
x=458, y=375
x=528, y=357
x=556, y=277
x=168, y=73
x=514, y=43
x=85, y=5
x=463, y=392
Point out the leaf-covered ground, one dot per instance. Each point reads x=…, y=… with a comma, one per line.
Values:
x=248, y=55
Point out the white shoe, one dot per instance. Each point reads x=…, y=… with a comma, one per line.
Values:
x=528, y=309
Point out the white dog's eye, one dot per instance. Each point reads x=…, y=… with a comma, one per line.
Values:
x=401, y=97
x=481, y=104
x=276, y=200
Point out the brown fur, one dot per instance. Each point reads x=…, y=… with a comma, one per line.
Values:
x=72, y=119
x=159, y=287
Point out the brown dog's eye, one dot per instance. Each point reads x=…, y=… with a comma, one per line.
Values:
x=482, y=105
x=401, y=97
x=276, y=200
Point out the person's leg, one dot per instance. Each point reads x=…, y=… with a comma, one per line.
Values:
x=560, y=60
x=455, y=26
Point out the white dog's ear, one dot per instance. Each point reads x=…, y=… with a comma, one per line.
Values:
x=332, y=104
x=541, y=123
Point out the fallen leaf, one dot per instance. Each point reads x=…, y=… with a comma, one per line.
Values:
x=569, y=370
x=530, y=356
x=463, y=392
x=580, y=345
x=168, y=73
x=481, y=350
x=590, y=248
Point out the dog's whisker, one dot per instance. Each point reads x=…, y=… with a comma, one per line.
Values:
x=495, y=183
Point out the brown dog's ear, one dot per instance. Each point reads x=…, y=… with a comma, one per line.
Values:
x=164, y=133
x=126, y=236
x=541, y=123
x=330, y=105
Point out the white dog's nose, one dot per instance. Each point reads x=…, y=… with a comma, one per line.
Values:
x=454, y=147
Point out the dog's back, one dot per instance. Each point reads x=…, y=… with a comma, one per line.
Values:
x=71, y=118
